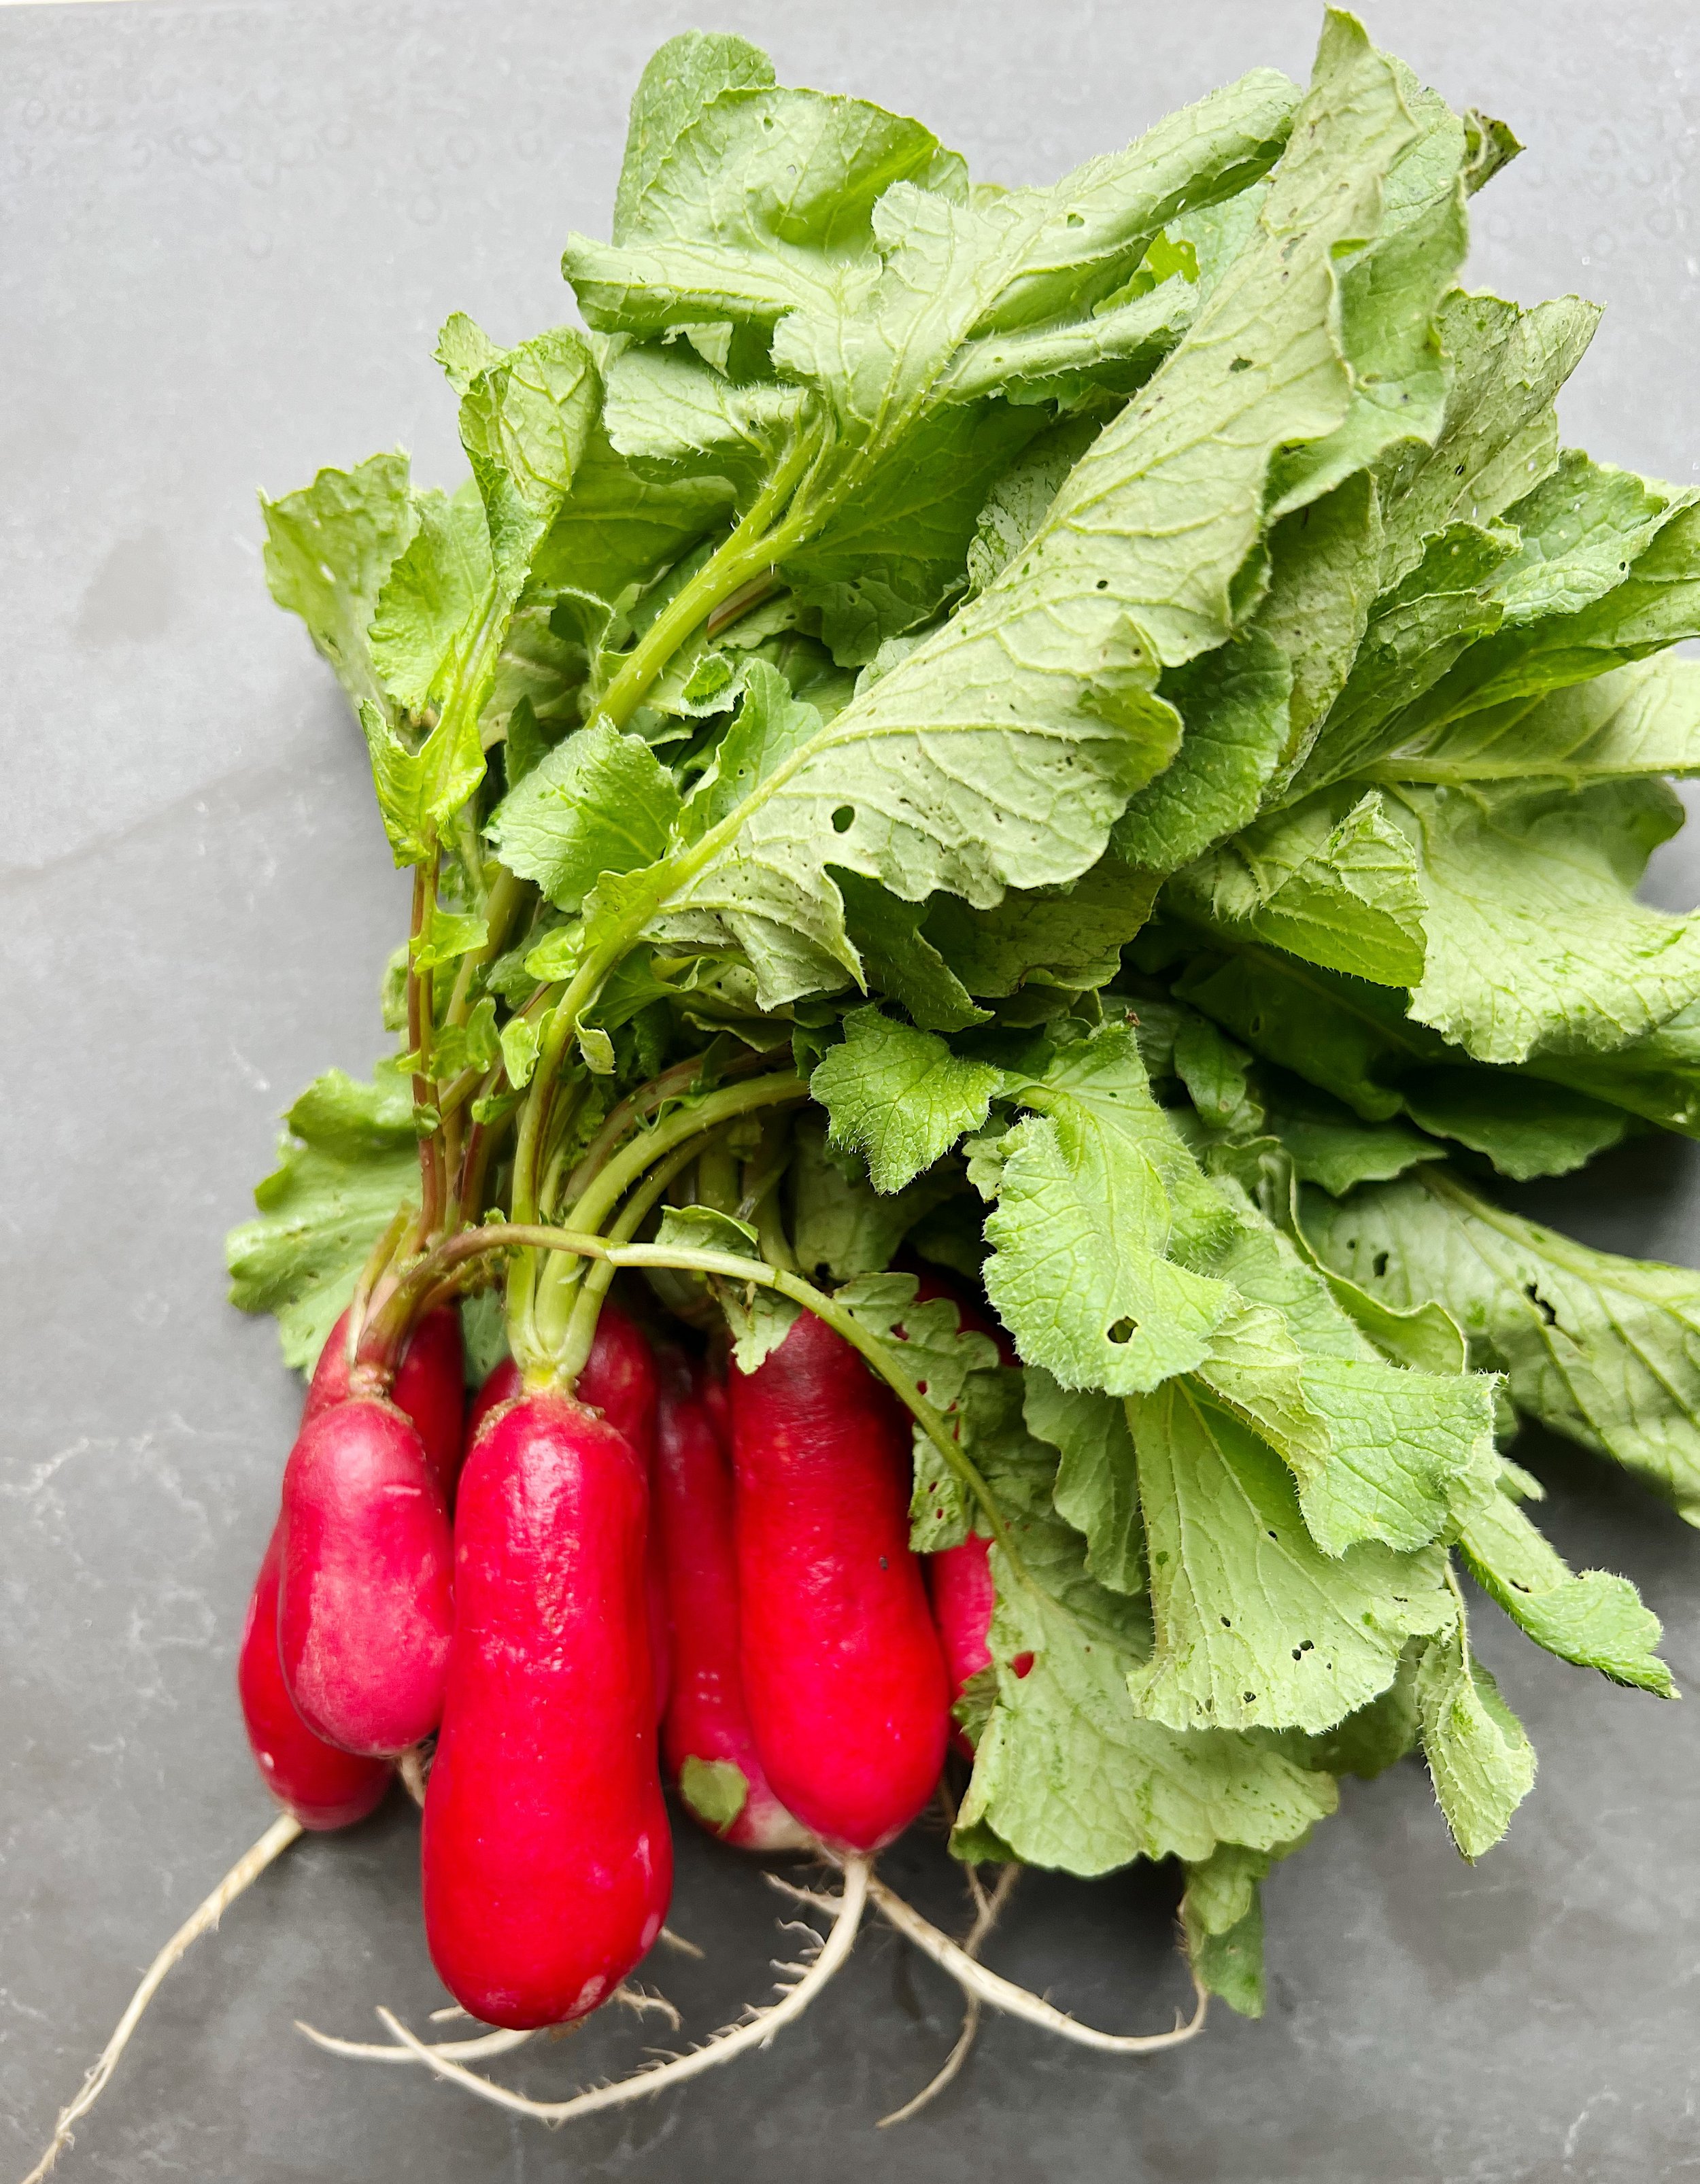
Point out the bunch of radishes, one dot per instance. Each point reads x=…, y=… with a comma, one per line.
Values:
x=724, y=1552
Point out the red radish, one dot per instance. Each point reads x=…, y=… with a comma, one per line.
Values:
x=323, y=1787
x=502, y=1385
x=429, y=1386
x=619, y=1380
x=364, y=1607
x=707, y=1721
x=547, y=1861
x=960, y=1580
x=843, y=1674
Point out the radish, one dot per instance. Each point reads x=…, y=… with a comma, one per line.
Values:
x=363, y=1606
x=324, y=1787
x=619, y=1380
x=429, y=1385
x=705, y=1734
x=960, y=1580
x=547, y=1860
x=843, y=1673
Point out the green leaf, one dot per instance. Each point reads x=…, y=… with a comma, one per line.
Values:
x=1596, y=1620
x=615, y=528
x=1324, y=563
x=448, y=936
x=1000, y=752
x=600, y=802
x=463, y=350
x=1491, y=145
x=1368, y=1742
x=418, y=789
x=840, y=1225
x=1097, y=1487
x=1415, y=632
x=673, y=416
x=1234, y=703
x=716, y=1790
x=1523, y=1127
x=899, y=961
x=1389, y=295
x=1599, y=1348
x=1643, y=719
x=680, y=79
x=1482, y=1763
x=1377, y=1453
x=1656, y=604
x=349, y=1160
x=953, y=1364
x=1580, y=529
x=425, y=631
x=1329, y=1146
x=1535, y=937
x=1333, y=880
x=1020, y=500
x=1071, y=936
x=759, y=1319
x=1500, y=435
x=1067, y=1774
x=1657, y=1076
x=1094, y=1192
x=1256, y=1626
x=525, y=424
x=328, y=549
x=899, y=1096
x=1221, y=1916
x=1215, y=1074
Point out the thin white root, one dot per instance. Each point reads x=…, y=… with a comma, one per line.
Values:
x=684, y=1949
x=846, y=1910
x=641, y=2000
x=494, y=2043
x=487, y=2043
x=247, y=1869
x=987, y=1911
x=1004, y=1994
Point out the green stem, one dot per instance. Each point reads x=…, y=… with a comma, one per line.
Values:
x=596, y=1202
x=419, y=1034
x=746, y=555
x=507, y=1236
x=609, y=1186
x=574, y=1351
x=760, y=1202
x=505, y=899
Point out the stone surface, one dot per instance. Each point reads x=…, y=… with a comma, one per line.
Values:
x=232, y=233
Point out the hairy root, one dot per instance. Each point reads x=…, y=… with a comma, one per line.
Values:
x=247, y=1869
x=992, y=1988
x=756, y=2030
x=988, y=1909
x=492, y=2042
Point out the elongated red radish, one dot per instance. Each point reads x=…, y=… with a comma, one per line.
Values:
x=547, y=1865
x=843, y=1674
x=364, y=1607
x=619, y=1380
x=960, y=1582
x=706, y=1735
x=324, y=1787
x=959, y=1578
x=429, y=1386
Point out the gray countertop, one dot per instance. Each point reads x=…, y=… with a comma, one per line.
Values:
x=232, y=231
